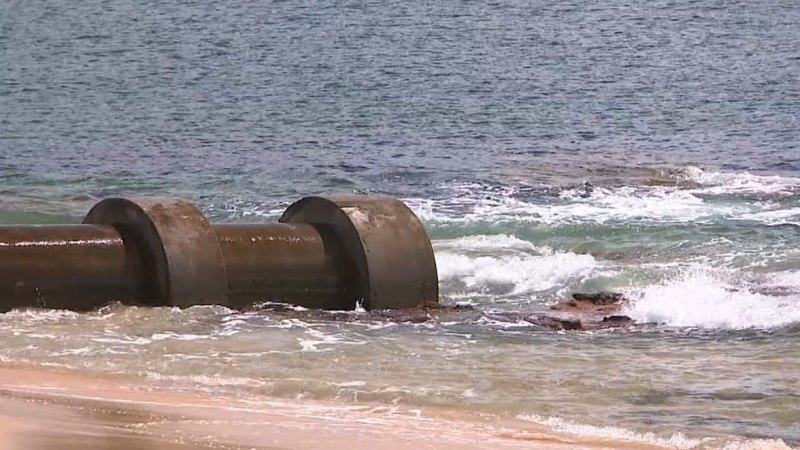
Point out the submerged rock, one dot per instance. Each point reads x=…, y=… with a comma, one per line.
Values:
x=584, y=312
x=424, y=313
x=555, y=323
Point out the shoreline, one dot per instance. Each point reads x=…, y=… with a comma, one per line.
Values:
x=46, y=408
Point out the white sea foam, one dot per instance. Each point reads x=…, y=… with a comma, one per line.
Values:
x=479, y=203
x=739, y=182
x=171, y=335
x=491, y=242
x=35, y=316
x=639, y=204
x=520, y=273
x=623, y=204
x=714, y=300
x=350, y=384
x=317, y=338
x=245, y=209
x=772, y=217
x=486, y=321
x=677, y=440
x=207, y=380
x=756, y=444
x=509, y=263
x=360, y=307
x=125, y=340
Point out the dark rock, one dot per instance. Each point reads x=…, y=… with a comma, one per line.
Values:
x=575, y=306
x=774, y=291
x=592, y=304
x=441, y=307
x=595, y=311
x=577, y=323
x=555, y=323
x=600, y=298
x=617, y=320
x=586, y=189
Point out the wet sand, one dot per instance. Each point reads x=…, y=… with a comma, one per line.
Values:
x=44, y=408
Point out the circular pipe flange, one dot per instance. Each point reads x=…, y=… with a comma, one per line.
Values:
x=176, y=249
x=386, y=244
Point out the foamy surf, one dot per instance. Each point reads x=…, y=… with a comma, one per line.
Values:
x=604, y=205
x=698, y=195
x=695, y=194
x=509, y=265
x=711, y=299
x=720, y=183
x=561, y=425
x=677, y=441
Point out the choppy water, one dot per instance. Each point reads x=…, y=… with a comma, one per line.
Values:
x=487, y=118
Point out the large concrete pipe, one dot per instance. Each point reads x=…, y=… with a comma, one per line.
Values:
x=383, y=242
x=173, y=245
x=64, y=266
x=326, y=253
x=284, y=263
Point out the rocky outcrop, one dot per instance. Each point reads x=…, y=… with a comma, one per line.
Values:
x=585, y=312
x=599, y=303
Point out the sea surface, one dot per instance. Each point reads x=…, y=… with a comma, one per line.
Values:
x=550, y=147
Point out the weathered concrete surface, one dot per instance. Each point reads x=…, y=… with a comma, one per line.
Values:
x=175, y=249
x=385, y=246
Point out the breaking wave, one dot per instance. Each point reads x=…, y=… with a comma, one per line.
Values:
x=676, y=441
x=508, y=265
x=706, y=299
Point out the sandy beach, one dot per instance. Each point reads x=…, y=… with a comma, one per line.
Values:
x=43, y=408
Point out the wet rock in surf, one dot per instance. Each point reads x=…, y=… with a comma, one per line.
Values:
x=600, y=298
x=585, y=311
x=555, y=323
x=579, y=324
x=597, y=303
x=775, y=291
x=617, y=320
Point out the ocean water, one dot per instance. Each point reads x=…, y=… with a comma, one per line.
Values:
x=650, y=148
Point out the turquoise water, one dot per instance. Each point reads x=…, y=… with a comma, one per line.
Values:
x=549, y=148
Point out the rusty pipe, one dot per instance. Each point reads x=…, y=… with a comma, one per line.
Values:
x=292, y=263
x=325, y=253
x=82, y=267
x=64, y=266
